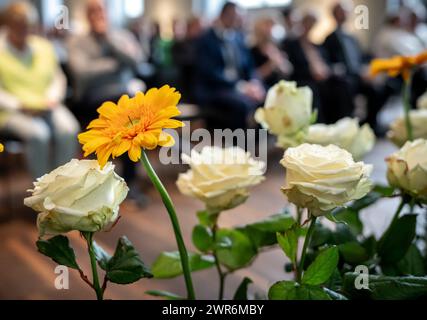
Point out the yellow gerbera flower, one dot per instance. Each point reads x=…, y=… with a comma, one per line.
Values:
x=132, y=124
x=1, y=147
x=398, y=65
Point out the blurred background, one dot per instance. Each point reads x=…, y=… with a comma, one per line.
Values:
x=59, y=60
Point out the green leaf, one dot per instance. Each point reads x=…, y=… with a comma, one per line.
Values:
x=366, y=201
x=242, y=291
x=206, y=218
x=322, y=267
x=412, y=263
x=351, y=218
x=101, y=256
x=59, y=250
x=353, y=253
x=275, y=223
x=290, y=290
x=126, y=265
x=241, y=251
x=385, y=191
x=168, y=264
x=288, y=241
x=370, y=245
x=342, y=234
x=263, y=233
x=335, y=281
x=387, y=288
x=164, y=294
x=321, y=236
x=202, y=238
x=397, y=239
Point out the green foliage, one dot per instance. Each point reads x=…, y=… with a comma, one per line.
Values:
x=396, y=241
x=263, y=233
x=412, y=263
x=126, y=266
x=242, y=291
x=387, y=288
x=59, y=250
x=168, y=264
x=291, y=290
x=203, y=238
x=288, y=241
x=322, y=267
x=239, y=253
x=353, y=253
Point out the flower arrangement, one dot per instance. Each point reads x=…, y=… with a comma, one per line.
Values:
x=325, y=179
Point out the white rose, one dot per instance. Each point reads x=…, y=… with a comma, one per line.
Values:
x=287, y=113
x=77, y=196
x=346, y=134
x=220, y=177
x=407, y=169
x=398, y=134
x=422, y=101
x=322, y=178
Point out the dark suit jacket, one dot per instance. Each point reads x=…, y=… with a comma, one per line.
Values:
x=335, y=53
x=297, y=57
x=210, y=65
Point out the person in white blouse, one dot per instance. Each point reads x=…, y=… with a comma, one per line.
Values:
x=32, y=88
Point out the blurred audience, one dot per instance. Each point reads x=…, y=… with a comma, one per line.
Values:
x=271, y=63
x=289, y=21
x=32, y=87
x=212, y=67
x=226, y=79
x=394, y=38
x=184, y=54
x=309, y=64
x=346, y=59
x=103, y=66
x=103, y=62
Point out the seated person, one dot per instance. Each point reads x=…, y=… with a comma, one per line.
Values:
x=103, y=66
x=309, y=64
x=32, y=88
x=225, y=76
x=184, y=55
x=102, y=63
x=271, y=63
x=346, y=58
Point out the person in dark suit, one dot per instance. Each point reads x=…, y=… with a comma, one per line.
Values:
x=346, y=60
x=225, y=76
x=309, y=65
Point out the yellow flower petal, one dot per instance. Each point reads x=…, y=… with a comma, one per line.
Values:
x=132, y=124
x=134, y=153
x=166, y=140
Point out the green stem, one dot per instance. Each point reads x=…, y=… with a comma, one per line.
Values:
x=304, y=248
x=221, y=274
x=407, y=107
x=299, y=221
x=175, y=224
x=398, y=211
x=95, y=279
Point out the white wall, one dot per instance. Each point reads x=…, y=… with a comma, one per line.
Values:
x=164, y=11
